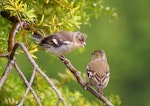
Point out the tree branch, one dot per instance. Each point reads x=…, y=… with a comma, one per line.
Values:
x=6, y=72
x=6, y=55
x=11, y=52
x=28, y=88
x=12, y=48
x=6, y=14
x=60, y=98
x=27, y=84
x=12, y=35
x=38, y=69
x=76, y=73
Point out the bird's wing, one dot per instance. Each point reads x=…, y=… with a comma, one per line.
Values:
x=102, y=79
x=98, y=72
x=57, y=39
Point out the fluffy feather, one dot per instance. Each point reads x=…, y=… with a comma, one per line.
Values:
x=98, y=70
x=62, y=42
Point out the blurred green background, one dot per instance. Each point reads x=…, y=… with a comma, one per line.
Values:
x=126, y=42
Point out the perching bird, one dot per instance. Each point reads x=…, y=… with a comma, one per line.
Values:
x=62, y=42
x=98, y=71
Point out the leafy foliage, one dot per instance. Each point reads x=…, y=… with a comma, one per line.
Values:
x=51, y=16
x=4, y=32
x=48, y=16
x=55, y=15
x=17, y=7
x=11, y=93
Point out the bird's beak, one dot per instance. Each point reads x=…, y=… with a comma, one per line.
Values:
x=83, y=44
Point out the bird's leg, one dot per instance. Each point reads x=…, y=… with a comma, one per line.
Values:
x=100, y=90
x=62, y=57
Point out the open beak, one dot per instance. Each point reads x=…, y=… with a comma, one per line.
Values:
x=83, y=44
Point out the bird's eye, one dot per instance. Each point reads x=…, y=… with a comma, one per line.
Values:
x=80, y=40
x=95, y=53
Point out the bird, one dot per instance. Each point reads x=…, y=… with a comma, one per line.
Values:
x=62, y=42
x=98, y=72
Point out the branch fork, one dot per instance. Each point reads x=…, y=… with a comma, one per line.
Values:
x=12, y=47
x=12, y=63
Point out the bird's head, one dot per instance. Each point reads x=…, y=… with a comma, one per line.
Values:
x=80, y=38
x=99, y=54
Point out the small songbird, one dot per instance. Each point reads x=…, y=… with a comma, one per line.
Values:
x=62, y=42
x=98, y=71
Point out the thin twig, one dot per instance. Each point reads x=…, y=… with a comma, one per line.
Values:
x=11, y=39
x=28, y=88
x=10, y=63
x=83, y=83
x=52, y=86
x=38, y=69
x=27, y=84
x=12, y=35
x=12, y=49
x=7, y=15
x=6, y=72
x=4, y=55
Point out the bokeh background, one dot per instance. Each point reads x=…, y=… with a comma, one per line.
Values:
x=126, y=42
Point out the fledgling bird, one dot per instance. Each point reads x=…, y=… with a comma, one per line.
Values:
x=98, y=71
x=62, y=42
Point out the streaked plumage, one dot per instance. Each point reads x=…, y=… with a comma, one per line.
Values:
x=98, y=70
